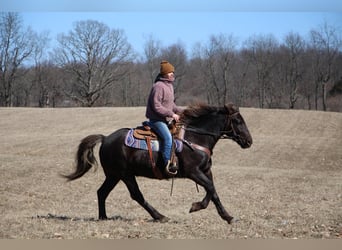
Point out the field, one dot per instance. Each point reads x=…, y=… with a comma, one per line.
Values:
x=287, y=185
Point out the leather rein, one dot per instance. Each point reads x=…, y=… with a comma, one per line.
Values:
x=222, y=135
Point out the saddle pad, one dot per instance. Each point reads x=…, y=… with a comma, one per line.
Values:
x=133, y=142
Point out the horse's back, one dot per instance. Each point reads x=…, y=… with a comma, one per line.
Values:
x=114, y=140
x=115, y=137
x=112, y=147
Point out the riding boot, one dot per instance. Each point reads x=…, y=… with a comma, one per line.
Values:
x=171, y=169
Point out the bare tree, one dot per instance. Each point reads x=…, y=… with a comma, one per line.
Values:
x=242, y=78
x=325, y=43
x=16, y=45
x=292, y=68
x=219, y=56
x=226, y=46
x=262, y=52
x=95, y=56
x=41, y=71
x=195, y=82
x=152, y=50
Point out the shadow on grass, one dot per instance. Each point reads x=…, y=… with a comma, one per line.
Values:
x=113, y=218
x=68, y=218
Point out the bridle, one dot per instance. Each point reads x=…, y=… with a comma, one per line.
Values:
x=223, y=134
x=229, y=124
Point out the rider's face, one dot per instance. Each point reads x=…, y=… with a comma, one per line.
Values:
x=171, y=76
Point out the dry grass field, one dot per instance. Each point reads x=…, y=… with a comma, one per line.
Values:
x=287, y=185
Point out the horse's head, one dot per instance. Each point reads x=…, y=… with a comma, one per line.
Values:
x=236, y=128
x=218, y=122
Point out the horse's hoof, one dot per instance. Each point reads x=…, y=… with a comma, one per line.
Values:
x=163, y=219
x=234, y=220
x=195, y=207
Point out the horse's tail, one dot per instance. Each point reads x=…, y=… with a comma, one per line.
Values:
x=85, y=158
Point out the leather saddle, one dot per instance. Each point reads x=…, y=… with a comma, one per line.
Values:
x=145, y=130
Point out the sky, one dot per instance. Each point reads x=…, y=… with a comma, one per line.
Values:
x=185, y=21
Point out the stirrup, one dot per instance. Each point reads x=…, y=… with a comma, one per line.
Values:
x=171, y=169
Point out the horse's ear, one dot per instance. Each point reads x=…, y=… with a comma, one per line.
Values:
x=231, y=108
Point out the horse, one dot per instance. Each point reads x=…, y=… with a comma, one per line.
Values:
x=203, y=126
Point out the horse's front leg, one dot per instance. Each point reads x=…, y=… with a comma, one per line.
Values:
x=136, y=195
x=196, y=206
x=200, y=178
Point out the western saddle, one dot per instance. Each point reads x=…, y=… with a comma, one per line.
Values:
x=145, y=132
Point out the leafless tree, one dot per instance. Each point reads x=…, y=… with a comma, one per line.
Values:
x=152, y=50
x=41, y=75
x=325, y=42
x=95, y=65
x=262, y=52
x=292, y=70
x=243, y=79
x=16, y=45
x=95, y=56
x=219, y=57
x=193, y=89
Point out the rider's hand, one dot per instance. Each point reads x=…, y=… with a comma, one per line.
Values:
x=175, y=117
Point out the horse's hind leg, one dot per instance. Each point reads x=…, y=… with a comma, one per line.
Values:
x=102, y=194
x=136, y=195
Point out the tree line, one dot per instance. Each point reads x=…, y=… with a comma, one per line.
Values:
x=94, y=65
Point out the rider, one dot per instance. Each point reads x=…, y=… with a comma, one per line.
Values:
x=161, y=109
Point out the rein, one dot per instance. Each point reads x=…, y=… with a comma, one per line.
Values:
x=221, y=135
x=200, y=131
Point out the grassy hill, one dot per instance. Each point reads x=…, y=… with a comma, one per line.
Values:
x=287, y=185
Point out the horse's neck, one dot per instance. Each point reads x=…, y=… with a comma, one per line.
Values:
x=199, y=136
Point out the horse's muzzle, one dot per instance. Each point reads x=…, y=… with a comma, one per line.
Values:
x=246, y=143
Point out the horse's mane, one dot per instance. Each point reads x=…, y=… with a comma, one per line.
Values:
x=195, y=111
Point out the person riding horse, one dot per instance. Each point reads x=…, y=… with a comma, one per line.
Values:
x=161, y=108
x=203, y=125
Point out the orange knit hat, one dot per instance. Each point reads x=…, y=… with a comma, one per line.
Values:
x=166, y=67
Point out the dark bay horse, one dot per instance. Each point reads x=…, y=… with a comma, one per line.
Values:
x=204, y=126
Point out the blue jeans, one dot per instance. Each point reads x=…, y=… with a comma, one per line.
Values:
x=164, y=134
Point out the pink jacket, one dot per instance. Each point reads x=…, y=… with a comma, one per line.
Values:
x=160, y=104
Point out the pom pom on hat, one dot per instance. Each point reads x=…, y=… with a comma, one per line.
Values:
x=166, y=67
